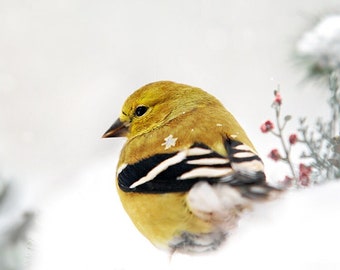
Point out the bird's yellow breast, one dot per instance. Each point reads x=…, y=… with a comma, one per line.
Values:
x=162, y=217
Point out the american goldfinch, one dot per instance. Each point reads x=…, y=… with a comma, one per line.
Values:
x=187, y=169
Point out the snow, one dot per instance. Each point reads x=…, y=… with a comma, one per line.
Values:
x=326, y=32
x=322, y=43
x=170, y=141
x=86, y=228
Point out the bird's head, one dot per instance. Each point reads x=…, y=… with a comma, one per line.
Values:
x=154, y=105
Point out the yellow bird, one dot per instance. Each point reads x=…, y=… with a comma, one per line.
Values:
x=187, y=170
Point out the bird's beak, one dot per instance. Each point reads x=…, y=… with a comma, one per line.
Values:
x=118, y=129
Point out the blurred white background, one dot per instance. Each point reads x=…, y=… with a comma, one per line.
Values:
x=66, y=68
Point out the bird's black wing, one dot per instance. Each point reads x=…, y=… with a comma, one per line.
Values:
x=179, y=171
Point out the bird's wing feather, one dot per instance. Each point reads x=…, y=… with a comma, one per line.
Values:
x=179, y=171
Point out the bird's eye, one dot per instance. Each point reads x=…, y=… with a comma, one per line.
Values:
x=140, y=110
